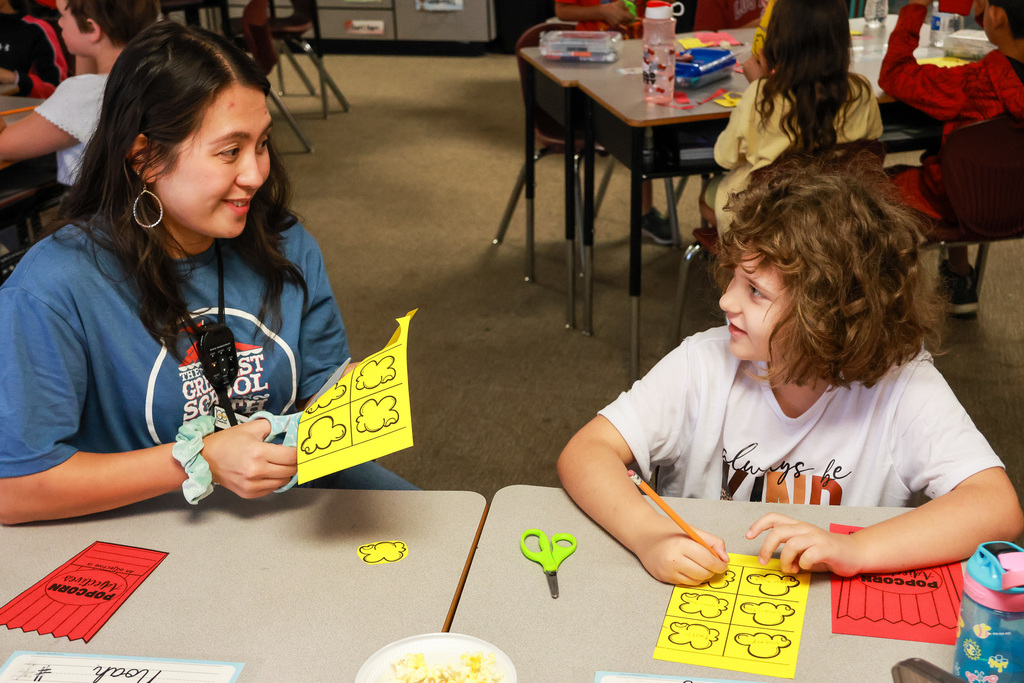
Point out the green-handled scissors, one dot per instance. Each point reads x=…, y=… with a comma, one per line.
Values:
x=550, y=555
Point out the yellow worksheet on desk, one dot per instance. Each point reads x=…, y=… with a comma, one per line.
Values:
x=365, y=415
x=748, y=619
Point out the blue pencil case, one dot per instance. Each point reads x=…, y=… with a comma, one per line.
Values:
x=709, y=64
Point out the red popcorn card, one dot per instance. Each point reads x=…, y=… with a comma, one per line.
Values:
x=76, y=599
x=716, y=38
x=919, y=604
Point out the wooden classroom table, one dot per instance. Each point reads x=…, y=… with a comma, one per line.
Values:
x=276, y=583
x=610, y=610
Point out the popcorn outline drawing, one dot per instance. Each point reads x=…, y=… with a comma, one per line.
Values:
x=373, y=414
x=762, y=625
x=370, y=403
x=383, y=552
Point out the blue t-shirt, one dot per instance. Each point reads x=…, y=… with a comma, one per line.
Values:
x=81, y=373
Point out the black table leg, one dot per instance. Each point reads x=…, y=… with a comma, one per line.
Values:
x=636, y=180
x=530, y=94
x=588, y=217
x=570, y=211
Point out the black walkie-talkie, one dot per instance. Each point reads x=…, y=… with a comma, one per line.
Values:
x=216, y=347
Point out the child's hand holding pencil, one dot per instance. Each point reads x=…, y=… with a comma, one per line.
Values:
x=673, y=557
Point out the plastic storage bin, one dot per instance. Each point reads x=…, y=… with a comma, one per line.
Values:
x=709, y=64
x=581, y=46
x=967, y=44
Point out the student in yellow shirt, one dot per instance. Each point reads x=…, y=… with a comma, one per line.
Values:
x=805, y=99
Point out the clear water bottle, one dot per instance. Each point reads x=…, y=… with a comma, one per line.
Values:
x=659, y=73
x=943, y=24
x=875, y=11
x=990, y=633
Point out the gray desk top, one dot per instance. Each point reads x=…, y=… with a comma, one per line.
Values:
x=610, y=610
x=276, y=583
x=621, y=93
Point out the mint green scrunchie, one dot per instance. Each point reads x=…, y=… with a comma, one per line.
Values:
x=188, y=448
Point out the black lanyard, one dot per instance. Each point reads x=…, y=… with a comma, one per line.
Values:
x=215, y=345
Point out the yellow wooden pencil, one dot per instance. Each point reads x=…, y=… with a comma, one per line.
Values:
x=690, y=531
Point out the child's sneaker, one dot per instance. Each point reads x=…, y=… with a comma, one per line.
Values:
x=657, y=228
x=962, y=290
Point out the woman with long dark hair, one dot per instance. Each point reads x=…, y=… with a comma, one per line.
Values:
x=113, y=327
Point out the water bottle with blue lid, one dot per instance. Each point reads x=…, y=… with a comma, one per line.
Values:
x=990, y=634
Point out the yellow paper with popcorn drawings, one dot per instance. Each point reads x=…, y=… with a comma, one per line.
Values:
x=748, y=619
x=365, y=415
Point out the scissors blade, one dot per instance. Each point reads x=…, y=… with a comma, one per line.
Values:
x=552, y=583
x=331, y=381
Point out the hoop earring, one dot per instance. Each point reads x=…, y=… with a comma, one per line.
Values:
x=135, y=208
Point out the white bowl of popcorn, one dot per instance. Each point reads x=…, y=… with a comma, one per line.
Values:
x=440, y=657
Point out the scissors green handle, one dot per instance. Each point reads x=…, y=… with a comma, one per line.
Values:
x=631, y=6
x=551, y=553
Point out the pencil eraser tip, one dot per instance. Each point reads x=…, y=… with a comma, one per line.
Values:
x=630, y=472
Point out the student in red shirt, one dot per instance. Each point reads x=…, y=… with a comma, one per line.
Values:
x=958, y=95
x=713, y=15
x=30, y=54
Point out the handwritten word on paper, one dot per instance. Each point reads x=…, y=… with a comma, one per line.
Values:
x=748, y=619
x=365, y=415
x=54, y=667
x=921, y=604
x=78, y=597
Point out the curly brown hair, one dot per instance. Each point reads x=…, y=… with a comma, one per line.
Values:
x=846, y=248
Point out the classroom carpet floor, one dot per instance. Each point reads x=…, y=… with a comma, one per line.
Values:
x=404, y=194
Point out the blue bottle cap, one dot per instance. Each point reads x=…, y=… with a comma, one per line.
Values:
x=985, y=567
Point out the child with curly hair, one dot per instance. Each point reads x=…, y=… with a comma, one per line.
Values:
x=819, y=391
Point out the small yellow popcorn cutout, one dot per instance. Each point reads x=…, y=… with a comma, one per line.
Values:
x=383, y=552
